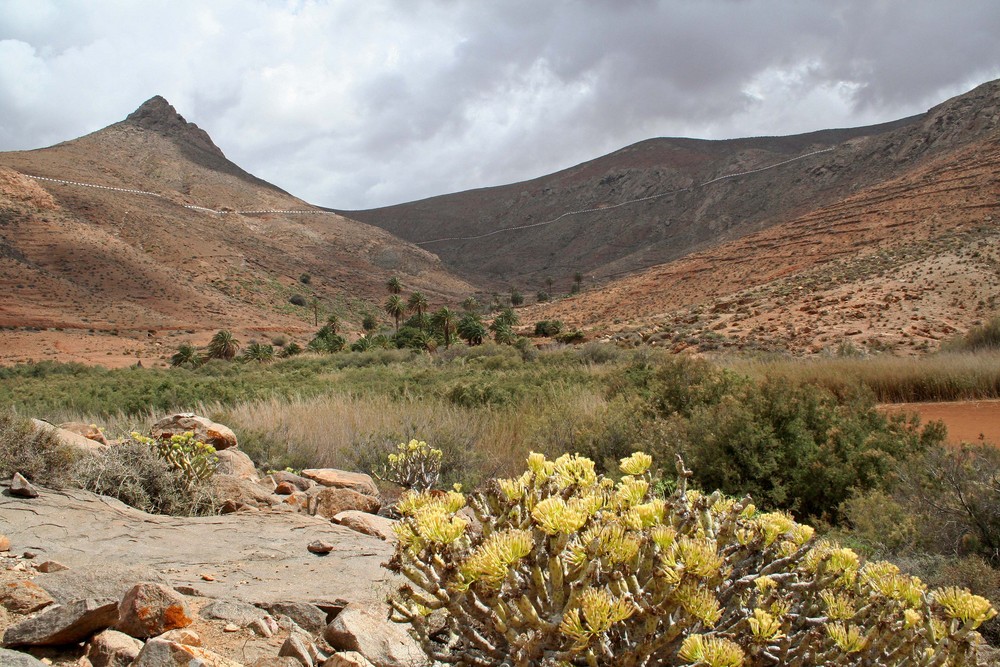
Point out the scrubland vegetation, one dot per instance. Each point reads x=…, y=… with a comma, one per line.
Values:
x=803, y=437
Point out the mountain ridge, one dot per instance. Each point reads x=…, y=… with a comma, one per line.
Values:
x=612, y=244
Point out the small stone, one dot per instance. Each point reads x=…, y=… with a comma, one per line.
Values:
x=50, y=566
x=320, y=547
x=21, y=487
x=348, y=659
x=185, y=636
x=113, y=649
x=264, y=627
x=231, y=627
x=4, y=542
x=285, y=489
x=28, y=555
x=207, y=577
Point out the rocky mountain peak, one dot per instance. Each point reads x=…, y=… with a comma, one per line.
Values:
x=158, y=115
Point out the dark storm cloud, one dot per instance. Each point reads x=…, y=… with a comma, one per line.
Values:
x=361, y=104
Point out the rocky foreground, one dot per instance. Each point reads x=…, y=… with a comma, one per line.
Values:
x=291, y=575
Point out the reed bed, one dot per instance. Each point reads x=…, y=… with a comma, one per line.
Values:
x=950, y=376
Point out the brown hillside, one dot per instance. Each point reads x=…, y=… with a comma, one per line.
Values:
x=614, y=241
x=898, y=266
x=107, y=276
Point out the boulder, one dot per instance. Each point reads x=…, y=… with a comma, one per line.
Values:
x=63, y=624
x=70, y=438
x=24, y=597
x=332, y=501
x=368, y=524
x=341, y=479
x=22, y=488
x=149, y=609
x=164, y=653
x=10, y=658
x=88, y=431
x=205, y=430
x=366, y=630
x=309, y=617
x=235, y=462
x=4, y=542
x=232, y=611
x=239, y=491
x=299, y=482
x=348, y=659
x=296, y=647
x=285, y=489
x=112, y=649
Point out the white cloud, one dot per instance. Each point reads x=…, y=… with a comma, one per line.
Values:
x=355, y=104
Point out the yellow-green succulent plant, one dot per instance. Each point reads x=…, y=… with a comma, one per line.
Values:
x=563, y=566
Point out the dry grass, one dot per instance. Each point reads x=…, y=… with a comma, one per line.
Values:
x=350, y=432
x=940, y=377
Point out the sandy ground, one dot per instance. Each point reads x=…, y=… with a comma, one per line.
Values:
x=967, y=421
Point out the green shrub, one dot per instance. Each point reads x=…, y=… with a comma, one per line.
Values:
x=297, y=300
x=548, y=328
x=38, y=454
x=985, y=337
x=569, y=568
x=570, y=337
x=135, y=474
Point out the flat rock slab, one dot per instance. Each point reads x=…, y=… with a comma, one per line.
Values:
x=258, y=557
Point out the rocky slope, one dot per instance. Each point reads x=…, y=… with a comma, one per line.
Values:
x=614, y=240
x=112, y=275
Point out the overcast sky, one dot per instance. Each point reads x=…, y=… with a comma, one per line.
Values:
x=363, y=103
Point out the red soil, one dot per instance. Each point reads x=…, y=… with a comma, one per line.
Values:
x=967, y=421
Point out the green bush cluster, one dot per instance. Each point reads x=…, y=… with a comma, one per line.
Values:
x=566, y=567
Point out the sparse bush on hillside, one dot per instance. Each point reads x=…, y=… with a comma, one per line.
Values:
x=570, y=568
x=38, y=454
x=548, y=328
x=985, y=337
x=133, y=473
x=305, y=279
x=297, y=300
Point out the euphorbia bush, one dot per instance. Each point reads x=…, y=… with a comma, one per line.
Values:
x=566, y=567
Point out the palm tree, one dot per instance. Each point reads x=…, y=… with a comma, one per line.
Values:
x=396, y=308
x=444, y=319
x=470, y=305
x=334, y=323
x=369, y=323
x=504, y=335
x=394, y=285
x=258, y=352
x=516, y=298
x=186, y=355
x=418, y=304
x=223, y=346
x=471, y=329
